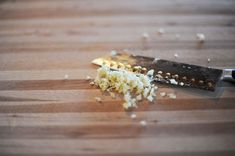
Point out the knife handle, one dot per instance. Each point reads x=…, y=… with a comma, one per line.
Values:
x=229, y=75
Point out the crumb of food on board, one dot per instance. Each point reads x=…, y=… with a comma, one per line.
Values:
x=133, y=116
x=88, y=77
x=145, y=35
x=171, y=95
x=133, y=86
x=181, y=83
x=113, y=53
x=176, y=55
x=139, y=97
x=92, y=83
x=143, y=123
x=150, y=72
x=66, y=76
x=173, y=81
x=161, y=31
x=200, y=37
x=112, y=94
x=98, y=99
x=163, y=94
x=208, y=60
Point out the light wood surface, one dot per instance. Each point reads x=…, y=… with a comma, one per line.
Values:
x=41, y=113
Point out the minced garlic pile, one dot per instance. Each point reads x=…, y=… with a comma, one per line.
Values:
x=134, y=86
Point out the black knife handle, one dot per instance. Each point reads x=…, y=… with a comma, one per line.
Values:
x=233, y=74
x=229, y=75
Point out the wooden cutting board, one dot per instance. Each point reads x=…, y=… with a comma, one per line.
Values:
x=44, y=113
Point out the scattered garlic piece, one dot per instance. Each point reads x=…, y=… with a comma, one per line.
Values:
x=150, y=72
x=66, y=76
x=181, y=83
x=201, y=37
x=133, y=116
x=112, y=95
x=161, y=31
x=176, y=55
x=172, y=81
x=143, y=123
x=113, y=53
x=145, y=35
x=208, y=60
x=98, y=99
x=163, y=94
x=92, y=83
x=88, y=77
x=139, y=97
x=171, y=95
x=150, y=98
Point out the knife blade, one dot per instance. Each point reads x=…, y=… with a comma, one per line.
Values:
x=165, y=71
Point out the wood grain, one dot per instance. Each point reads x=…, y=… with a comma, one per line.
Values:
x=41, y=113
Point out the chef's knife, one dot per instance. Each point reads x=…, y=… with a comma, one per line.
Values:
x=169, y=72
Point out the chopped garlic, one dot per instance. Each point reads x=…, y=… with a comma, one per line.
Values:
x=145, y=35
x=113, y=53
x=139, y=97
x=163, y=94
x=132, y=85
x=150, y=72
x=88, y=77
x=146, y=92
x=98, y=99
x=92, y=83
x=150, y=98
x=161, y=31
x=66, y=76
x=112, y=95
x=133, y=116
x=181, y=83
x=171, y=95
x=201, y=37
x=143, y=123
x=208, y=60
x=172, y=81
x=176, y=55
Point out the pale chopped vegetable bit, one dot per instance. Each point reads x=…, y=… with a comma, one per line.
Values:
x=171, y=95
x=113, y=53
x=139, y=97
x=66, y=76
x=176, y=55
x=88, y=77
x=173, y=81
x=112, y=94
x=201, y=37
x=161, y=31
x=132, y=85
x=145, y=35
x=181, y=83
x=133, y=116
x=98, y=99
x=150, y=98
x=150, y=72
x=163, y=94
x=92, y=83
x=143, y=123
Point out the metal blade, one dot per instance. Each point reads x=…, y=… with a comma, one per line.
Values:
x=168, y=72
